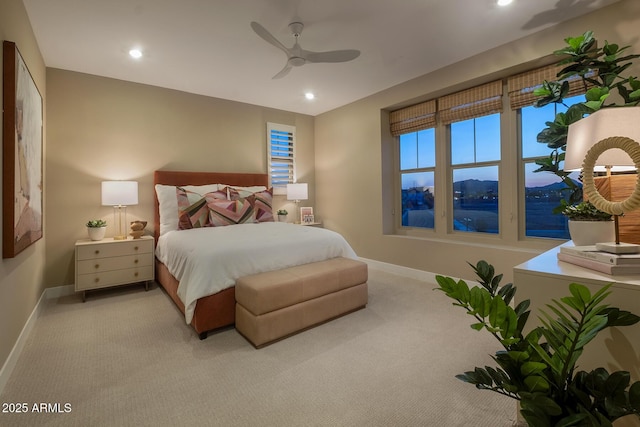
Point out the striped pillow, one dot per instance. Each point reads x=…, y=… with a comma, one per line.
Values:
x=230, y=212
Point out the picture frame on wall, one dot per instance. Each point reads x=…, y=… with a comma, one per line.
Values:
x=22, y=181
x=306, y=215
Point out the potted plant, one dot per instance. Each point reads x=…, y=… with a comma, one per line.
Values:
x=282, y=215
x=539, y=369
x=587, y=224
x=600, y=68
x=96, y=229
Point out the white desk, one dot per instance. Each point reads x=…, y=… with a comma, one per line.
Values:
x=544, y=278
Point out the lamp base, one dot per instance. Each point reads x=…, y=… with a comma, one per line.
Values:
x=119, y=237
x=618, y=248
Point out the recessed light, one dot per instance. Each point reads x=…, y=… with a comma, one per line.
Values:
x=504, y=2
x=135, y=53
x=309, y=95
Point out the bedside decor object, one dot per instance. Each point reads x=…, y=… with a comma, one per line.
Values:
x=297, y=192
x=306, y=215
x=282, y=215
x=22, y=213
x=119, y=194
x=137, y=229
x=96, y=228
x=588, y=225
x=608, y=138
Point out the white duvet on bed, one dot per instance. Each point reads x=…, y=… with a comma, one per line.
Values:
x=208, y=260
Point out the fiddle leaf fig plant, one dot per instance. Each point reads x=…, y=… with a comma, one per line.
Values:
x=601, y=72
x=539, y=368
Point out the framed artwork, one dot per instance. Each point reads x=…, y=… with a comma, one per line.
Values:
x=22, y=155
x=306, y=215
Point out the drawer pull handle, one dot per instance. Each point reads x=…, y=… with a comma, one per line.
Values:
x=136, y=274
x=136, y=261
x=97, y=266
x=135, y=248
x=97, y=251
x=97, y=279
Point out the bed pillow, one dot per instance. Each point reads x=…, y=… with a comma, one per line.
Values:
x=262, y=205
x=231, y=212
x=262, y=201
x=245, y=191
x=193, y=211
x=168, y=203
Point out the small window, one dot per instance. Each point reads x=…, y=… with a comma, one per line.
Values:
x=475, y=155
x=417, y=166
x=543, y=190
x=281, y=156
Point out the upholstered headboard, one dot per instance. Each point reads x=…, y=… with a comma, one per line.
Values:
x=201, y=178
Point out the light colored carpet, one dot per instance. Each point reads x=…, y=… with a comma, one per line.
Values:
x=126, y=358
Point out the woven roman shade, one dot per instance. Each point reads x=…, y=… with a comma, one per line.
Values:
x=414, y=118
x=521, y=86
x=468, y=104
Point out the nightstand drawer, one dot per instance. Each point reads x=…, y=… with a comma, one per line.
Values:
x=113, y=263
x=113, y=278
x=103, y=250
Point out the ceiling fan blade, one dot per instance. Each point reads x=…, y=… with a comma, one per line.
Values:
x=282, y=72
x=266, y=36
x=332, y=56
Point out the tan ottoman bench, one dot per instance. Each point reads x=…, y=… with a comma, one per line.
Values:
x=273, y=305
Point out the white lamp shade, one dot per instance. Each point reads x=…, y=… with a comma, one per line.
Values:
x=297, y=192
x=119, y=193
x=600, y=125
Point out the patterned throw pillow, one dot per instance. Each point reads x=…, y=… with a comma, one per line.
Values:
x=262, y=206
x=193, y=211
x=262, y=201
x=230, y=212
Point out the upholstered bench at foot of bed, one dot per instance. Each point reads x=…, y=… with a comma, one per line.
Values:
x=273, y=305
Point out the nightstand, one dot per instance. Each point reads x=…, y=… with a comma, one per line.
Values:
x=106, y=263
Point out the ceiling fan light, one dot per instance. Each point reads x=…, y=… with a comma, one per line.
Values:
x=309, y=95
x=504, y=2
x=296, y=61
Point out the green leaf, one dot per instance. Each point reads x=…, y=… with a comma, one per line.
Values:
x=581, y=293
x=477, y=326
x=536, y=383
x=531, y=368
x=634, y=396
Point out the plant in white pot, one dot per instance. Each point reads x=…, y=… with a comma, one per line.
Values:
x=282, y=215
x=96, y=229
x=588, y=225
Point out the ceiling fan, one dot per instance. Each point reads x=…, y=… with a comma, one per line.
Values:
x=296, y=56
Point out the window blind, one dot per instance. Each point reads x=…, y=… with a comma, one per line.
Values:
x=468, y=104
x=521, y=86
x=414, y=118
x=281, y=156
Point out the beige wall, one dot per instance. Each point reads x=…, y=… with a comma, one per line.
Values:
x=21, y=282
x=102, y=129
x=356, y=197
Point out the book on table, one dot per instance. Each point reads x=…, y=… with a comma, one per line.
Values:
x=603, y=267
x=590, y=252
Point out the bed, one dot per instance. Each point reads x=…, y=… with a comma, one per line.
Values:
x=211, y=306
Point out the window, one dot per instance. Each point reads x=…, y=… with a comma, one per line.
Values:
x=475, y=157
x=281, y=156
x=417, y=166
x=542, y=190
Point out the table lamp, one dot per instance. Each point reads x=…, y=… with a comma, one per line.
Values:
x=297, y=192
x=607, y=140
x=120, y=194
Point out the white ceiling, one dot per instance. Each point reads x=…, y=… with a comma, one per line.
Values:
x=207, y=47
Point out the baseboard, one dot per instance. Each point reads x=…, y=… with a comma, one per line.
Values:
x=10, y=363
x=411, y=273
